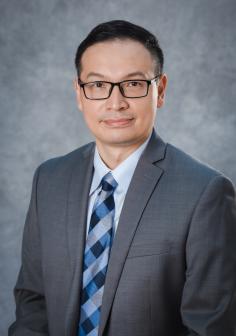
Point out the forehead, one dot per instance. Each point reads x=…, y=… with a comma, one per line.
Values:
x=117, y=58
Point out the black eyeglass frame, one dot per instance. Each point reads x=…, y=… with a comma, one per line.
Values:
x=148, y=81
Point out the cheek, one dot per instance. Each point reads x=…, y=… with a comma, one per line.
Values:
x=90, y=118
x=90, y=113
x=145, y=110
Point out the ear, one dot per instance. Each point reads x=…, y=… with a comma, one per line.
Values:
x=77, y=89
x=162, y=84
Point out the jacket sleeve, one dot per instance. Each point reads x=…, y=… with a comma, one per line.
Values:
x=209, y=296
x=31, y=313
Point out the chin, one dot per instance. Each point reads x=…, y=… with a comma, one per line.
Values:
x=120, y=140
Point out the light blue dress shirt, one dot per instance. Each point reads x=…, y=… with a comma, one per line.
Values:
x=123, y=174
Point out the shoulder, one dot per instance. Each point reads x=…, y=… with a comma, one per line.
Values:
x=183, y=163
x=63, y=165
x=185, y=172
x=176, y=163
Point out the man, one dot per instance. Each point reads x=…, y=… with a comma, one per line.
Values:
x=127, y=236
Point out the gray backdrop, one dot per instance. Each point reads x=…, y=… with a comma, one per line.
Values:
x=39, y=117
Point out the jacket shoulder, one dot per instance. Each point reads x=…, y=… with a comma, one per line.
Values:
x=63, y=164
x=188, y=169
x=188, y=177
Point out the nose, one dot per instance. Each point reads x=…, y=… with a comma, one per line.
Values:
x=117, y=101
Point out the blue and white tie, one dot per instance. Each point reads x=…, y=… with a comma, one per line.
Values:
x=96, y=255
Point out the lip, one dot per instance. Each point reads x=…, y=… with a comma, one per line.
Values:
x=122, y=122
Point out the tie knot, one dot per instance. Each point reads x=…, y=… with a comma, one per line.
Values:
x=108, y=182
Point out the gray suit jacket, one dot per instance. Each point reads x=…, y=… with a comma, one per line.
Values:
x=172, y=268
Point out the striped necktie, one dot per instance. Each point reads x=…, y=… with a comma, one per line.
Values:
x=96, y=256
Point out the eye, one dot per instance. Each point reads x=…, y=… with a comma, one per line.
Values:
x=99, y=84
x=134, y=83
x=96, y=85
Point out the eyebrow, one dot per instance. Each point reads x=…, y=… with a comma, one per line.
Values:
x=132, y=74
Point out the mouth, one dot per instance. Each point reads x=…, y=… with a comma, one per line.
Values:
x=121, y=122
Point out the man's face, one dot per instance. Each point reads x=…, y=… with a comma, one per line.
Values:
x=120, y=121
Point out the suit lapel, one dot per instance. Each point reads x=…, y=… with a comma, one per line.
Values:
x=143, y=183
x=76, y=231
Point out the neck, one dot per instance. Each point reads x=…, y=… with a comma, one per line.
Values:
x=113, y=155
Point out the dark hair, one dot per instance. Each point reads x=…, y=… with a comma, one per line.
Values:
x=120, y=29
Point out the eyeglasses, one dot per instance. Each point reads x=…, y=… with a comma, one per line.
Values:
x=135, y=88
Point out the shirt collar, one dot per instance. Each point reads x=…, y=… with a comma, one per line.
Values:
x=122, y=173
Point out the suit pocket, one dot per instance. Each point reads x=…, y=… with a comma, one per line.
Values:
x=142, y=250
